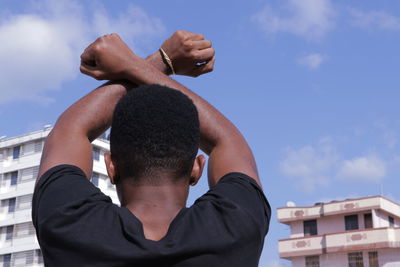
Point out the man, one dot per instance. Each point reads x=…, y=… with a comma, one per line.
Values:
x=155, y=134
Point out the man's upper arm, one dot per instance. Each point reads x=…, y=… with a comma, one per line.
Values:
x=63, y=147
x=241, y=195
x=230, y=157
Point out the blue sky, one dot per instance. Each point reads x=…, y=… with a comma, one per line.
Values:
x=312, y=84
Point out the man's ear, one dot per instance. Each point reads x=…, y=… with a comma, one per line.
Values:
x=110, y=167
x=197, y=170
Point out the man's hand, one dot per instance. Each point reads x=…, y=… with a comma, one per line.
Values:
x=190, y=53
x=108, y=58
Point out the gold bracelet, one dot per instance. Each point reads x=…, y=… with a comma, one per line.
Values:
x=168, y=60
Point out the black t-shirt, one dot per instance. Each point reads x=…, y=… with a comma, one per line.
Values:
x=77, y=225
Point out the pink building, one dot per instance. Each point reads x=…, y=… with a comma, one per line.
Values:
x=363, y=232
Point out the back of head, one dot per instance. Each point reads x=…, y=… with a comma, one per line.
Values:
x=155, y=130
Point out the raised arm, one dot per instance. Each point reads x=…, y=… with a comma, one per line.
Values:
x=69, y=141
x=227, y=149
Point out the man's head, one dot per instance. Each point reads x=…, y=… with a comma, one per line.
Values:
x=154, y=136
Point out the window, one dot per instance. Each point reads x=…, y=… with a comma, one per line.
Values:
x=24, y=229
x=29, y=257
x=312, y=261
x=23, y=258
x=14, y=178
x=24, y=202
x=355, y=259
x=28, y=174
x=351, y=222
x=368, y=220
x=16, y=151
x=310, y=227
x=6, y=260
x=95, y=179
x=38, y=146
x=39, y=256
x=391, y=221
x=11, y=205
x=373, y=259
x=96, y=153
x=9, y=232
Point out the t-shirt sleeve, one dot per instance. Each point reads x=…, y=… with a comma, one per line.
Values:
x=241, y=194
x=62, y=185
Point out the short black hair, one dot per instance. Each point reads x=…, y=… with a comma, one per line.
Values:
x=155, y=129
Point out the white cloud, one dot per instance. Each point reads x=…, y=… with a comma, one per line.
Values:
x=321, y=164
x=363, y=169
x=310, y=19
x=312, y=61
x=40, y=50
x=375, y=19
x=309, y=166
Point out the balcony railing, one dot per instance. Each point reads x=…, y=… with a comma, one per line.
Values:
x=302, y=246
x=387, y=237
x=373, y=238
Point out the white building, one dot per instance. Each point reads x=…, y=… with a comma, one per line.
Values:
x=19, y=163
x=363, y=232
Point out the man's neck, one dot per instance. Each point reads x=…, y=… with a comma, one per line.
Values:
x=154, y=205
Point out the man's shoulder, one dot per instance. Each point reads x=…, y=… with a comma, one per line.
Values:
x=236, y=195
x=61, y=187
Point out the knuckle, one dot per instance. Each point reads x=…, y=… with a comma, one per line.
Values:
x=115, y=35
x=97, y=76
x=194, y=55
x=179, y=33
x=188, y=44
x=213, y=51
x=96, y=47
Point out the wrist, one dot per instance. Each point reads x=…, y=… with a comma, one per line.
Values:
x=142, y=72
x=156, y=61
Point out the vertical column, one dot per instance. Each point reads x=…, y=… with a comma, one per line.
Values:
x=375, y=219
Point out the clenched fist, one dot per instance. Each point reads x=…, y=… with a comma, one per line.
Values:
x=190, y=53
x=108, y=58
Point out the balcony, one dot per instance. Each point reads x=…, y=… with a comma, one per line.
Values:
x=17, y=244
x=18, y=216
x=298, y=213
x=302, y=246
x=387, y=237
x=290, y=214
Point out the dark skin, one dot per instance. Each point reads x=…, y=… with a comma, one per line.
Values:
x=109, y=58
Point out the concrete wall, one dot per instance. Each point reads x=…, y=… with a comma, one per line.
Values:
x=296, y=229
x=389, y=257
x=330, y=224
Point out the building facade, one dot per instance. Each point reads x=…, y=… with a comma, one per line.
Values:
x=363, y=232
x=19, y=165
